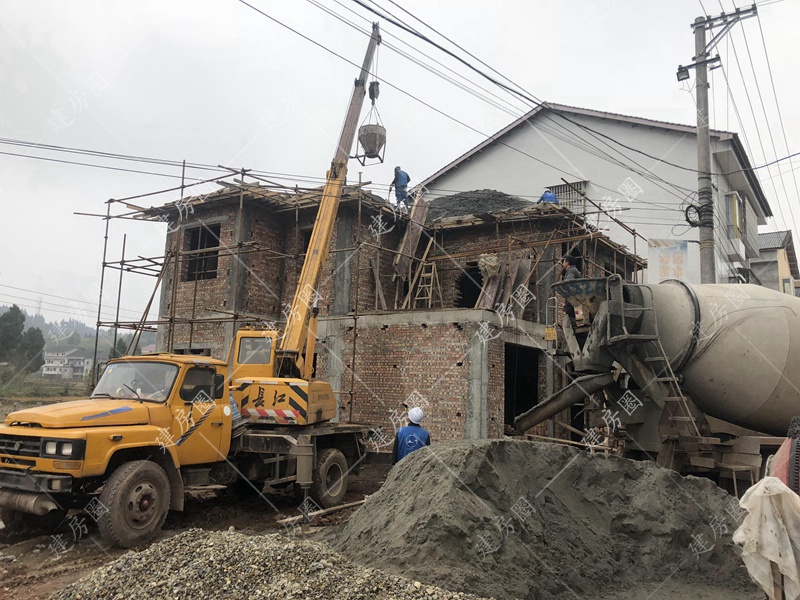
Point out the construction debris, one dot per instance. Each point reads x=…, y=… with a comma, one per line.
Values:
x=474, y=203
x=200, y=564
x=520, y=519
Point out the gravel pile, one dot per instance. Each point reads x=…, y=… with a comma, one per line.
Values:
x=521, y=519
x=200, y=564
x=474, y=203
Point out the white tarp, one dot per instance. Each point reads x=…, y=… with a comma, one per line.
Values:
x=771, y=533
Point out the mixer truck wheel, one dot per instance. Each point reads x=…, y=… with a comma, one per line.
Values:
x=137, y=498
x=21, y=522
x=330, y=478
x=794, y=466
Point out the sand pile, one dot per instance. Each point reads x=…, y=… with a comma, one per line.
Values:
x=474, y=203
x=531, y=520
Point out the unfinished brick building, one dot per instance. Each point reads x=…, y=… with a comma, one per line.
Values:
x=446, y=307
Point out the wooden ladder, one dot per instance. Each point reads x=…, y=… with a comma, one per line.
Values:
x=427, y=284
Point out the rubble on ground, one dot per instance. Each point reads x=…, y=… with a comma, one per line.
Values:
x=210, y=565
x=522, y=519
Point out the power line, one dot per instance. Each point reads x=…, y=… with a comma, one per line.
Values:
x=755, y=119
x=778, y=107
x=82, y=164
x=94, y=305
x=439, y=111
x=766, y=118
x=71, y=312
x=508, y=108
x=402, y=91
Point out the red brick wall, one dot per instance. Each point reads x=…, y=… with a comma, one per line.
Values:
x=394, y=362
x=199, y=298
x=264, y=280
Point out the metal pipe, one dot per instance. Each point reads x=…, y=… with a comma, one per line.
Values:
x=100, y=298
x=580, y=388
x=119, y=290
x=27, y=502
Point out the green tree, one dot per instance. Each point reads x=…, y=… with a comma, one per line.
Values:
x=30, y=351
x=119, y=350
x=74, y=339
x=12, y=324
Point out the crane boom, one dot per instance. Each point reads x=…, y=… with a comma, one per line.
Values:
x=297, y=344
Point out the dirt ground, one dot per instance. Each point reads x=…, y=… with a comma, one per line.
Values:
x=39, y=570
x=42, y=566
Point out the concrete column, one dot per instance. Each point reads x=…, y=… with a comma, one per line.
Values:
x=342, y=263
x=476, y=421
x=165, y=294
x=237, y=282
x=335, y=375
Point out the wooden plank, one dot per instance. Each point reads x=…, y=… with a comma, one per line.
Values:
x=378, y=286
x=411, y=236
x=508, y=286
x=319, y=513
x=486, y=299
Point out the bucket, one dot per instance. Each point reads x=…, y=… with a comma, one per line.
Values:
x=372, y=138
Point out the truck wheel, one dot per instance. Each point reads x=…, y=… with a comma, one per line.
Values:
x=330, y=478
x=16, y=521
x=137, y=498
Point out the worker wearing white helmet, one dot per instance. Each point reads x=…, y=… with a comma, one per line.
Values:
x=411, y=437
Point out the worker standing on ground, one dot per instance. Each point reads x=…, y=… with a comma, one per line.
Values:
x=548, y=198
x=400, y=185
x=570, y=272
x=411, y=437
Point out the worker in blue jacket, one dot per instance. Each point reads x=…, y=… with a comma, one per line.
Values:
x=411, y=437
x=400, y=185
x=548, y=197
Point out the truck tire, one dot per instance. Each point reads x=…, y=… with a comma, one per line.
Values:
x=16, y=521
x=330, y=478
x=137, y=497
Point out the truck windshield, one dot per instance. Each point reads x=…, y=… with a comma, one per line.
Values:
x=136, y=379
x=254, y=350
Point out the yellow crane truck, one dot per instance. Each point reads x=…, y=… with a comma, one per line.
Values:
x=160, y=423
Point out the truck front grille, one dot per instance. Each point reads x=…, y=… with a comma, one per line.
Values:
x=17, y=445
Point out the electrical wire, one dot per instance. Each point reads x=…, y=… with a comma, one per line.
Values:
x=766, y=119
x=755, y=119
x=90, y=303
x=777, y=106
x=82, y=164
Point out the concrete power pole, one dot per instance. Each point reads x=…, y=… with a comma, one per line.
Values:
x=705, y=195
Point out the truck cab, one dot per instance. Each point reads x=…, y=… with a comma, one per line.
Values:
x=148, y=418
x=267, y=399
x=157, y=424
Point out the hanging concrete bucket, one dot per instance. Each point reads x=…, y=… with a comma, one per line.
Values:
x=372, y=138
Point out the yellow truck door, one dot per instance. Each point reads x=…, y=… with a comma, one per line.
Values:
x=198, y=420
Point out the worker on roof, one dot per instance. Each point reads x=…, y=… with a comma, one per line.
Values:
x=400, y=185
x=411, y=437
x=548, y=198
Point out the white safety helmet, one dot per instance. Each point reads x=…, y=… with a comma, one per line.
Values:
x=415, y=415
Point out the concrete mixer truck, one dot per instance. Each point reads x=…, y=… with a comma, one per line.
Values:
x=698, y=377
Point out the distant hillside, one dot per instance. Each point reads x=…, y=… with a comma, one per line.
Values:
x=70, y=332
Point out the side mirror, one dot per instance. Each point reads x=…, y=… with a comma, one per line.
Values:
x=219, y=386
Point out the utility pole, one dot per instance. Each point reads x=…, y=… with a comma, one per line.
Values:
x=705, y=195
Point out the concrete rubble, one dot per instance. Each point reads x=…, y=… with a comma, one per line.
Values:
x=474, y=202
x=209, y=565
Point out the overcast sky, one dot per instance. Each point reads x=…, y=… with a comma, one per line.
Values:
x=215, y=82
